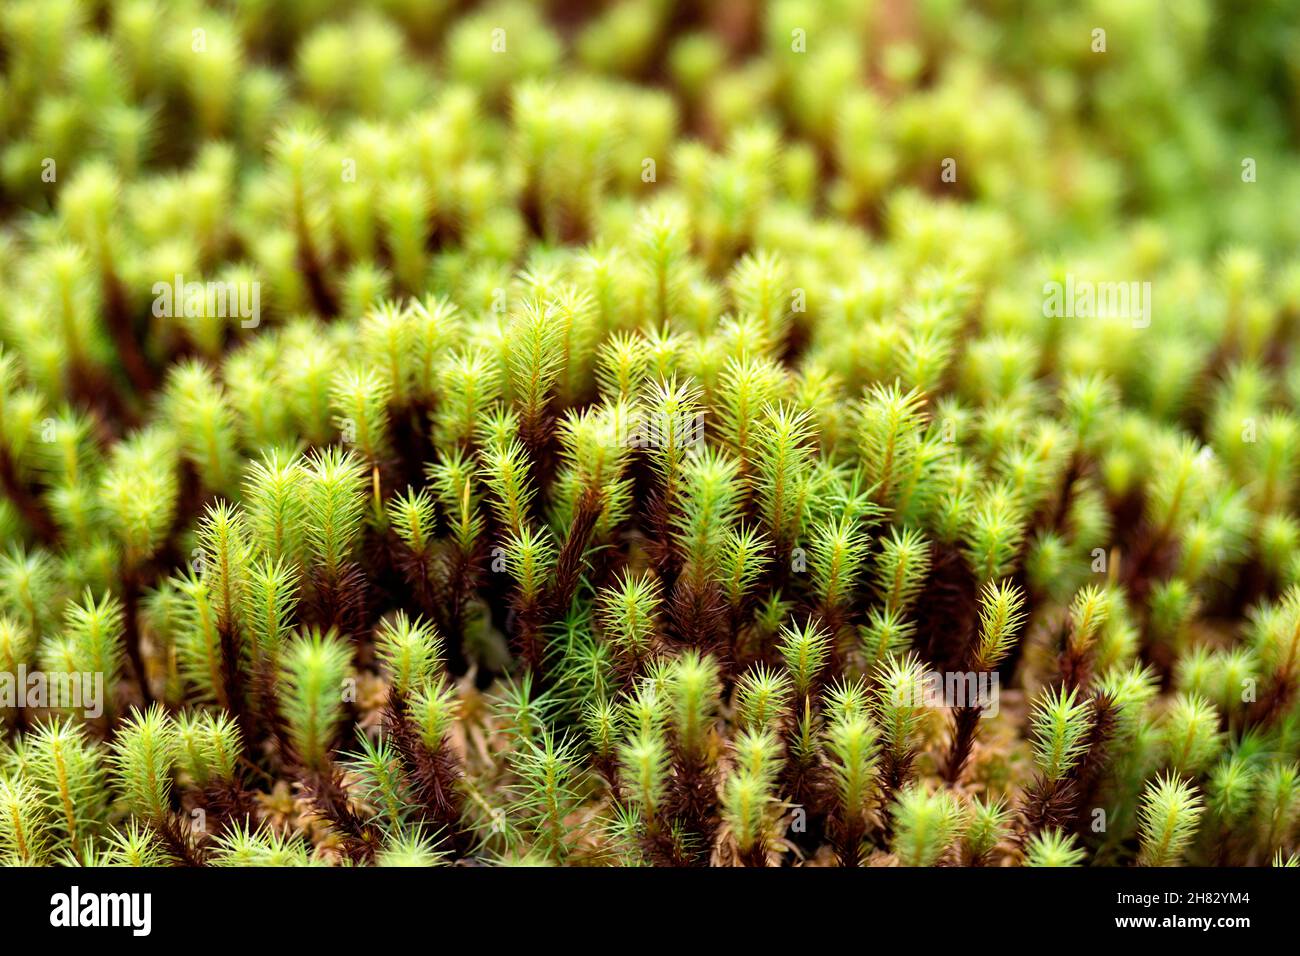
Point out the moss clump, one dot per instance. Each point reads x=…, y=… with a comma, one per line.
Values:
x=761, y=434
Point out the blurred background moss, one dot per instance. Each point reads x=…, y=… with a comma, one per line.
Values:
x=1042, y=122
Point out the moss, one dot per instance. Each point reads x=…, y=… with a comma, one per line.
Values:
x=762, y=434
